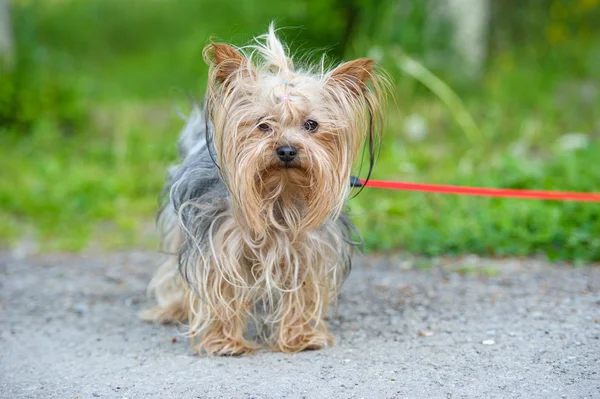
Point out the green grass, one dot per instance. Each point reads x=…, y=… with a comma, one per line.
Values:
x=103, y=183
x=86, y=164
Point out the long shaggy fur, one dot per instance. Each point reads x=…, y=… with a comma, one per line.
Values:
x=248, y=238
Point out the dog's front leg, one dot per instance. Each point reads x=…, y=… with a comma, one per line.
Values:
x=301, y=325
x=219, y=318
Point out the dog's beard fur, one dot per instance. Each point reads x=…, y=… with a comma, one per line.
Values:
x=257, y=237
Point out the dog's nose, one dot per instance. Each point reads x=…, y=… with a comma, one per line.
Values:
x=287, y=153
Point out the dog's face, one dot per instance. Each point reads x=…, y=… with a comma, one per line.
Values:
x=286, y=139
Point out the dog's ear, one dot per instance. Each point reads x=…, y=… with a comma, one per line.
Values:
x=353, y=75
x=226, y=61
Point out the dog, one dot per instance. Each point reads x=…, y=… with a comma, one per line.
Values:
x=254, y=226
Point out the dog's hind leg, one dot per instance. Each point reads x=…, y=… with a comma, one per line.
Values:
x=168, y=287
x=171, y=293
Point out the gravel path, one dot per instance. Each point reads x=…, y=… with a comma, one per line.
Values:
x=462, y=328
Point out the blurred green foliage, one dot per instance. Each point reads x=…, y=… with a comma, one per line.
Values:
x=88, y=118
x=33, y=92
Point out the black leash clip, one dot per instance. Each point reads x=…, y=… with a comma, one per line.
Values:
x=355, y=182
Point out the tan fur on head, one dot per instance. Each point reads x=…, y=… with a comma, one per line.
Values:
x=258, y=84
x=257, y=238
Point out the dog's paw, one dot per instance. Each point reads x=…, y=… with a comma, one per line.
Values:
x=219, y=346
x=309, y=339
x=172, y=314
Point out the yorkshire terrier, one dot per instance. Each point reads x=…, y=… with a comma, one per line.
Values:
x=254, y=225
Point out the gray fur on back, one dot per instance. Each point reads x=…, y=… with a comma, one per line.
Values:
x=197, y=175
x=195, y=180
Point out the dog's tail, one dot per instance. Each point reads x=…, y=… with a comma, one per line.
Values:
x=194, y=147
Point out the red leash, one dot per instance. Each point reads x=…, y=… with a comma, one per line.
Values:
x=485, y=192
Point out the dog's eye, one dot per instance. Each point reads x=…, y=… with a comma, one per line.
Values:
x=310, y=126
x=264, y=127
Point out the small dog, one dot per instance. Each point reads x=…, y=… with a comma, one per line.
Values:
x=254, y=221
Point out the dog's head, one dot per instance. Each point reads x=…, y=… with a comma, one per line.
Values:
x=286, y=137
